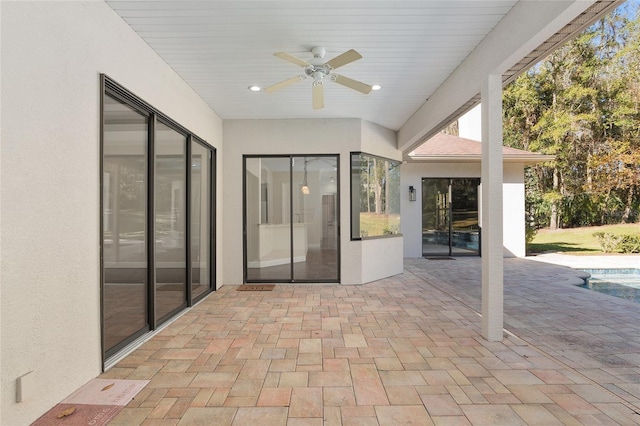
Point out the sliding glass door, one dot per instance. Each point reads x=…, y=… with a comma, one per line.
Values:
x=157, y=219
x=291, y=218
x=268, y=219
x=125, y=246
x=170, y=220
x=450, y=217
x=201, y=214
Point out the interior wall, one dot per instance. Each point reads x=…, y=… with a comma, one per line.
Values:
x=52, y=55
x=513, y=207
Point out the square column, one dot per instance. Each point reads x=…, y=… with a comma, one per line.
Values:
x=491, y=222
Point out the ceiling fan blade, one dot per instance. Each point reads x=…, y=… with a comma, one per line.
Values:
x=351, y=83
x=292, y=59
x=318, y=95
x=344, y=59
x=283, y=84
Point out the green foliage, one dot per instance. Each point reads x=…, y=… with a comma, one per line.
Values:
x=630, y=244
x=608, y=242
x=612, y=243
x=530, y=232
x=582, y=104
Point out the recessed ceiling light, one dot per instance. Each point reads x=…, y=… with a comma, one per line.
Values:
x=376, y=87
x=255, y=88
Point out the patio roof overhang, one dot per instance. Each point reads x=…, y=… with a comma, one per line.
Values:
x=431, y=57
x=527, y=34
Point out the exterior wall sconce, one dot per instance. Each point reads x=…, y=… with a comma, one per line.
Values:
x=412, y=193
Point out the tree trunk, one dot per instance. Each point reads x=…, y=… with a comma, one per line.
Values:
x=377, y=188
x=627, y=207
x=553, y=220
x=589, y=173
x=386, y=189
x=368, y=185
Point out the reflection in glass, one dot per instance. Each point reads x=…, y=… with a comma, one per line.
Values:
x=170, y=216
x=200, y=219
x=465, y=229
x=450, y=217
x=268, y=219
x=124, y=223
x=435, y=217
x=375, y=196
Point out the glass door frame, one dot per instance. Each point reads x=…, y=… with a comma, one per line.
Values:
x=292, y=279
x=450, y=208
x=109, y=87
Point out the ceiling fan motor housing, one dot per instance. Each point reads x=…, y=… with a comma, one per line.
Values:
x=318, y=52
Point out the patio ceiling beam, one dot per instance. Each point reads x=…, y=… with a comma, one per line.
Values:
x=524, y=28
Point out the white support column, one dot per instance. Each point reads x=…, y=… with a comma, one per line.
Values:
x=492, y=250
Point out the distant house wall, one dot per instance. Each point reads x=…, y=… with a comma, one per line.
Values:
x=513, y=208
x=470, y=124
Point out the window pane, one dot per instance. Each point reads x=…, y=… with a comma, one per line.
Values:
x=315, y=227
x=375, y=192
x=435, y=217
x=124, y=223
x=450, y=216
x=201, y=159
x=465, y=229
x=268, y=218
x=170, y=216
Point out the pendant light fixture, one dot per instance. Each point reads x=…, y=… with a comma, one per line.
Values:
x=305, y=187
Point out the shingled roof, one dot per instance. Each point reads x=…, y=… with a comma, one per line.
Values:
x=454, y=149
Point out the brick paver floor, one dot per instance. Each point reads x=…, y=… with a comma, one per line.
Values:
x=400, y=351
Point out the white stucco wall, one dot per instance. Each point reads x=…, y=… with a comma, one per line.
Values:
x=52, y=54
x=470, y=124
x=513, y=208
x=381, y=257
x=298, y=137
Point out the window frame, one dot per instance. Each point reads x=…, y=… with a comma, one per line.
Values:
x=354, y=194
x=110, y=87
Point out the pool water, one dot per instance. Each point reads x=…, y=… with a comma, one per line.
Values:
x=623, y=283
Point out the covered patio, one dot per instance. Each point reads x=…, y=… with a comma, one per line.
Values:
x=100, y=98
x=403, y=350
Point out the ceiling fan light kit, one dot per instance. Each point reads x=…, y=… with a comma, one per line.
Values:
x=318, y=71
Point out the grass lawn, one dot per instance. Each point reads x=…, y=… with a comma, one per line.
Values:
x=376, y=224
x=576, y=240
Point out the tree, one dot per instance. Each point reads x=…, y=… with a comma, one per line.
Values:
x=582, y=104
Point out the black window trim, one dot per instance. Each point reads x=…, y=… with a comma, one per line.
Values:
x=112, y=88
x=351, y=212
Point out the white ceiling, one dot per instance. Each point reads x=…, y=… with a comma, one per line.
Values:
x=221, y=47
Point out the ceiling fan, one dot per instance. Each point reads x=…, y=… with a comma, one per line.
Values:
x=318, y=71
